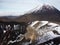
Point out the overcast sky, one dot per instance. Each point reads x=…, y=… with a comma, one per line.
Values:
x=17, y=7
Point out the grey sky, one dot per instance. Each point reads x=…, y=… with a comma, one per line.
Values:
x=17, y=7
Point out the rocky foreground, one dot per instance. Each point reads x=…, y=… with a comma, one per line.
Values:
x=40, y=33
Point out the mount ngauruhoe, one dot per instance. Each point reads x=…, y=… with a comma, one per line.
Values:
x=45, y=13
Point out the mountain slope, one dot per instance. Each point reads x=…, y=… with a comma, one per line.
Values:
x=46, y=12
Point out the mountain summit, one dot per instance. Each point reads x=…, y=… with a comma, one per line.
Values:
x=44, y=8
